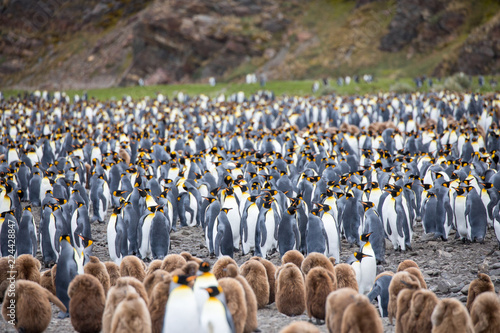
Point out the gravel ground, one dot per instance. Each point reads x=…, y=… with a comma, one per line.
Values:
x=448, y=268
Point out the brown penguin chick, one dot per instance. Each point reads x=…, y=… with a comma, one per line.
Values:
x=153, y=266
x=124, y=156
x=336, y=303
x=290, y=291
x=480, y=285
x=116, y=294
x=418, y=274
x=346, y=277
x=319, y=284
x=332, y=260
x=361, y=316
x=300, y=327
x=138, y=286
x=54, y=274
x=4, y=269
x=46, y=281
x=158, y=298
x=219, y=268
x=113, y=272
x=31, y=310
x=28, y=268
x=400, y=281
x=485, y=313
x=86, y=304
x=271, y=276
x=255, y=273
x=152, y=279
x=132, y=266
x=251, y=301
x=189, y=257
x=294, y=257
x=190, y=268
x=407, y=264
x=96, y=268
x=450, y=315
x=423, y=302
x=235, y=300
x=172, y=262
x=314, y=260
x=403, y=309
x=131, y=315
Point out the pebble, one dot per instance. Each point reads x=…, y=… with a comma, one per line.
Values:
x=432, y=272
x=444, y=286
x=495, y=266
x=457, y=288
x=465, y=289
x=463, y=299
x=495, y=272
x=443, y=254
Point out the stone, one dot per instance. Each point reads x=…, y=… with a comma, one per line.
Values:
x=465, y=289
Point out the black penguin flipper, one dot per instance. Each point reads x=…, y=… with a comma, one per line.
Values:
x=118, y=242
x=389, y=230
x=375, y=292
x=217, y=241
x=399, y=225
x=263, y=234
x=325, y=236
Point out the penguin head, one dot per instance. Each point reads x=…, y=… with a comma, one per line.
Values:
x=183, y=279
x=117, y=210
x=359, y=256
x=367, y=205
x=205, y=267
x=291, y=210
x=267, y=204
x=214, y=291
x=66, y=238
x=28, y=208
x=460, y=190
x=225, y=210
x=86, y=241
x=365, y=237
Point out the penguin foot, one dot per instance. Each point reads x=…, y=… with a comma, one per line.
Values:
x=63, y=315
x=257, y=330
x=236, y=250
x=319, y=322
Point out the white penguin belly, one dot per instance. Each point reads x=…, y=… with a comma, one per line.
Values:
x=181, y=314
x=332, y=236
x=461, y=222
x=249, y=244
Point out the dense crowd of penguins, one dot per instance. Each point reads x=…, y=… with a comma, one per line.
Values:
x=258, y=174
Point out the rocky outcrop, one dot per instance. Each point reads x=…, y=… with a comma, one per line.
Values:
x=179, y=40
x=480, y=53
x=422, y=24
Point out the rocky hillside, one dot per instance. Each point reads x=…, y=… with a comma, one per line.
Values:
x=84, y=44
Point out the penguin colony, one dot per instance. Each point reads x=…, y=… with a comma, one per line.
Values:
x=292, y=175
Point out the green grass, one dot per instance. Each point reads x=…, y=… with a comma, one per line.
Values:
x=301, y=88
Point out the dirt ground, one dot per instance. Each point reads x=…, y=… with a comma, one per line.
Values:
x=448, y=268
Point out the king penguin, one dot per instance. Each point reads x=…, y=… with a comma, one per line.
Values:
x=373, y=225
x=181, y=313
x=69, y=265
x=249, y=224
x=215, y=316
x=222, y=235
x=368, y=266
x=27, y=235
x=117, y=236
x=233, y=216
x=288, y=232
x=266, y=235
